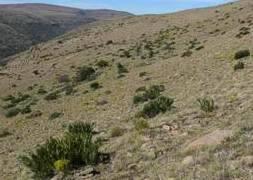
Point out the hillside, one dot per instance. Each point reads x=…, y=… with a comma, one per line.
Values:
x=24, y=25
x=102, y=74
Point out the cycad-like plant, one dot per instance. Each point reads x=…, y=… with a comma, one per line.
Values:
x=77, y=147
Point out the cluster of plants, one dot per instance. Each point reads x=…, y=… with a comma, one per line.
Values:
x=239, y=65
x=17, y=104
x=242, y=54
x=206, y=104
x=155, y=103
x=154, y=107
x=144, y=94
x=55, y=115
x=85, y=73
x=243, y=32
x=76, y=148
x=95, y=86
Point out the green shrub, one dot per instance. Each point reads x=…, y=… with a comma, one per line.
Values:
x=157, y=106
x=121, y=69
x=51, y=96
x=41, y=90
x=55, y=115
x=102, y=64
x=141, y=89
x=95, y=85
x=8, y=106
x=80, y=127
x=85, y=73
x=20, y=98
x=8, y=98
x=206, y=105
x=141, y=124
x=242, y=54
x=239, y=65
x=152, y=92
x=72, y=151
x=12, y=112
x=141, y=74
x=26, y=110
x=4, y=133
x=187, y=53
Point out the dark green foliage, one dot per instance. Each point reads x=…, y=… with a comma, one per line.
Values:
x=85, y=73
x=141, y=89
x=77, y=147
x=4, y=133
x=95, y=85
x=8, y=98
x=157, y=106
x=206, y=104
x=142, y=74
x=55, y=115
x=121, y=69
x=149, y=94
x=186, y=53
x=102, y=64
x=242, y=54
x=80, y=127
x=8, y=106
x=51, y=96
x=21, y=97
x=12, y=112
x=41, y=90
x=26, y=110
x=239, y=65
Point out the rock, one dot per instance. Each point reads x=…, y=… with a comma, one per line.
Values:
x=212, y=139
x=187, y=161
x=247, y=160
x=87, y=172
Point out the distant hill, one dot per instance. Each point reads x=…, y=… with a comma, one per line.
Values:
x=23, y=25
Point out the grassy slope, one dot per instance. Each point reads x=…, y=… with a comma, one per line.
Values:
x=158, y=152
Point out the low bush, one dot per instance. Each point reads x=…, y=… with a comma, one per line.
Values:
x=73, y=150
x=239, y=65
x=95, y=85
x=20, y=98
x=51, y=96
x=242, y=54
x=85, y=73
x=8, y=98
x=121, y=69
x=102, y=64
x=12, y=112
x=206, y=104
x=157, y=106
x=148, y=94
x=55, y=115
x=26, y=110
x=41, y=90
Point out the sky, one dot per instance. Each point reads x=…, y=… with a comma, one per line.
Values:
x=133, y=6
